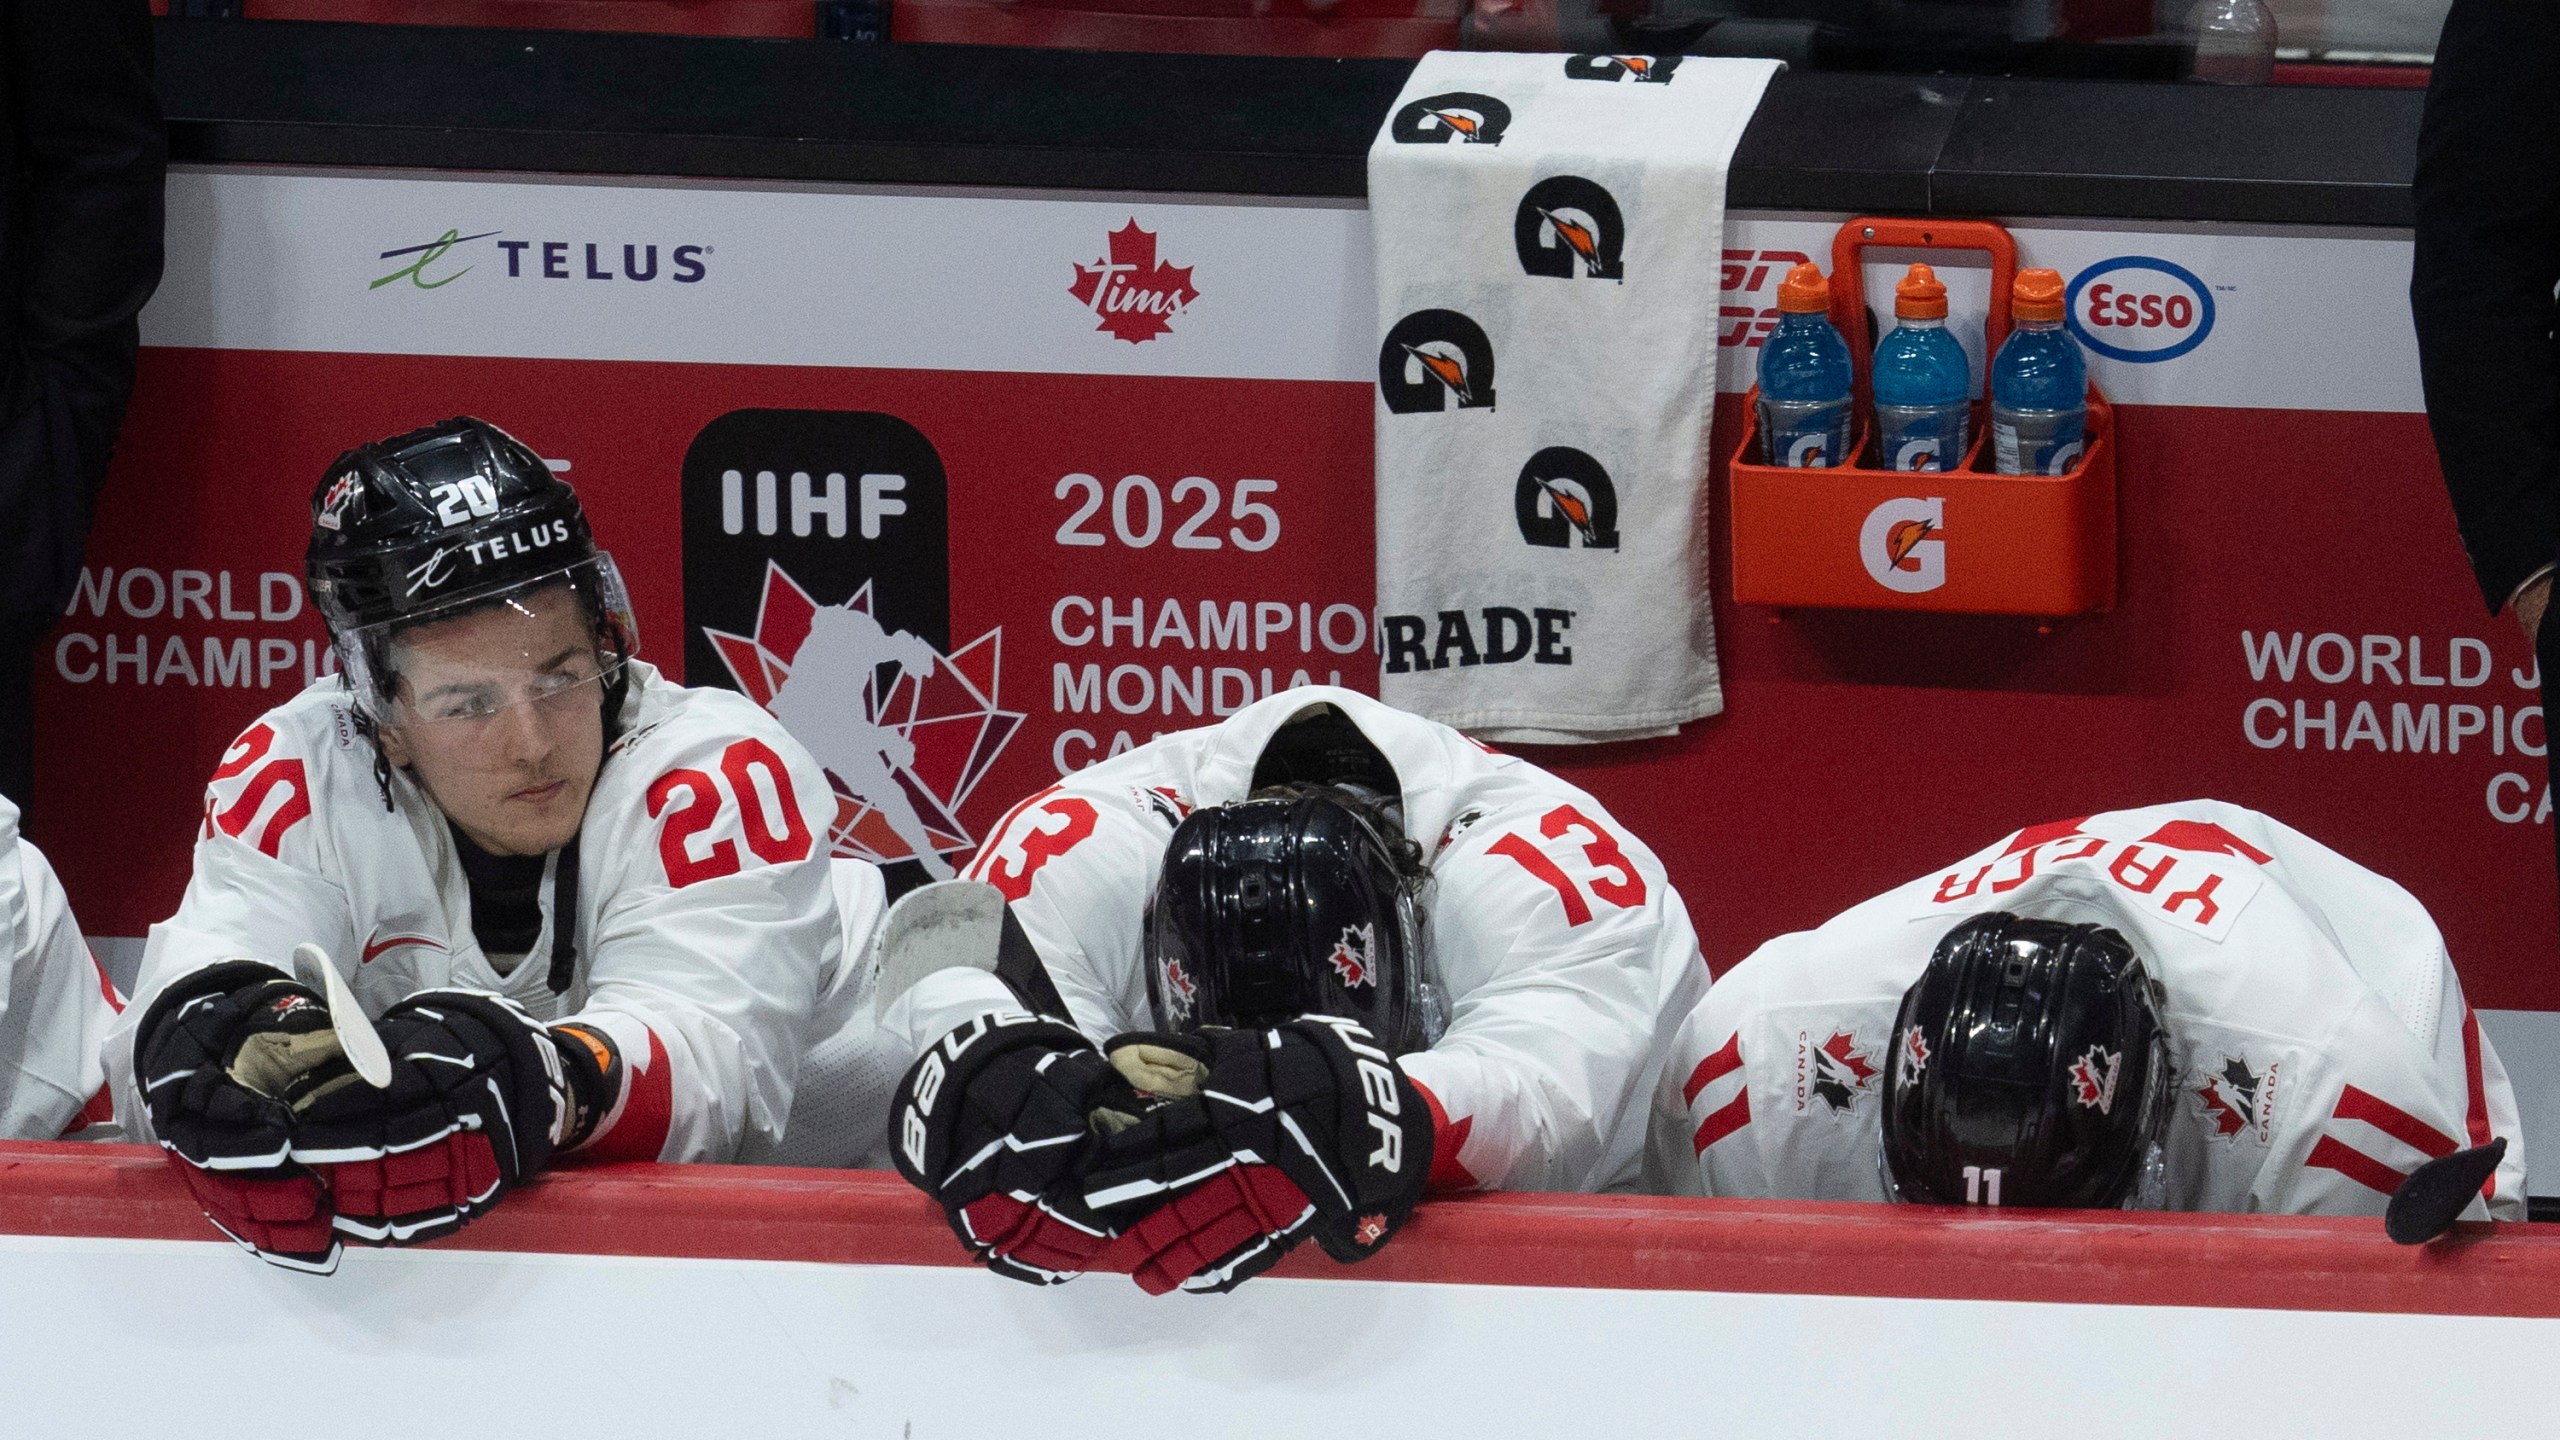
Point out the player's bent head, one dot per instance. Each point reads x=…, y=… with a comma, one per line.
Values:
x=1299, y=901
x=2029, y=1067
x=483, y=633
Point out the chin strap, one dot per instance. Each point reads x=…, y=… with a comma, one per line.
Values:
x=564, y=918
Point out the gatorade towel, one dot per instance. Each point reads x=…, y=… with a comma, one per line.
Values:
x=1549, y=232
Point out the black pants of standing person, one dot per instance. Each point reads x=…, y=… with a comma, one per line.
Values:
x=82, y=162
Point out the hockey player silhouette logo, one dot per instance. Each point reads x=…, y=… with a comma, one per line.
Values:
x=1644, y=69
x=1564, y=501
x=1462, y=117
x=1835, y=1072
x=1568, y=227
x=817, y=583
x=1433, y=359
x=859, y=695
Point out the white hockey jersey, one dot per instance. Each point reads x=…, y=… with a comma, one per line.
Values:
x=55, y=1005
x=1566, y=955
x=2320, y=1044
x=707, y=932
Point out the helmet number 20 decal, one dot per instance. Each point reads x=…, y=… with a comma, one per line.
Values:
x=459, y=502
x=1620, y=886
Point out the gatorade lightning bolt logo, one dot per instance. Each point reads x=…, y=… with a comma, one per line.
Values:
x=1644, y=69
x=1568, y=227
x=1564, y=501
x=1902, y=544
x=1460, y=116
x=1434, y=357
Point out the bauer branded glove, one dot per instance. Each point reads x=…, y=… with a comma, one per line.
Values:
x=481, y=1095
x=223, y=1056
x=995, y=1122
x=1309, y=1128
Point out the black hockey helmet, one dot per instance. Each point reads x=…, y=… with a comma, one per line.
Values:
x=430, y=524
x=2029, y=1067
x=1272, y=908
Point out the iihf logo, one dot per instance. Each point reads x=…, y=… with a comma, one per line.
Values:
x=1564, y=501
x=1567, y=226
x=1462, y=116
x=1432, y=358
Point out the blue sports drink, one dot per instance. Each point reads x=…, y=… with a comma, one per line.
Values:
x=1921, y=380
x=2039, y=384
x=1805, y=378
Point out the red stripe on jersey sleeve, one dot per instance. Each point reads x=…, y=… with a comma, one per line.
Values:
x=648, y=1110
x=2393, y=1121
x=1715, y=1067
x=1447, y=1174
x=1732, y=1116
x=2356, y=1165
x=2475, y=1110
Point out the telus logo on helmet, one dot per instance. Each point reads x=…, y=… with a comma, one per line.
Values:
x=2138, y=309
x=1462, y=116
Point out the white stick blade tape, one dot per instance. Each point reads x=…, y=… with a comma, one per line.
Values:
x=356, y=1034
x=946, y=924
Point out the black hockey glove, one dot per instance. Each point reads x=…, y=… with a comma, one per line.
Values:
x=222, y=1057
x=995, y=1122
x=1309, y=1128
x=479, y=1099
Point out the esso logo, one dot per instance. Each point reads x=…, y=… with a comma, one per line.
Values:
x=2139, y=309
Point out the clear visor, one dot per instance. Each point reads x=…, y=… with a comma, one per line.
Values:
x=552, y=641
x=1430, y=997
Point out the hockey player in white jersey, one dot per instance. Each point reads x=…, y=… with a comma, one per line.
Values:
x=586, y=907
x=2184, y=1007
x=56, y=1005
x=1341, y=951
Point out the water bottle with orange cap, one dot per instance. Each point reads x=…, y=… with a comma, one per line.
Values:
x=1805, y=378
x=2039, y=384
x=1921, y=380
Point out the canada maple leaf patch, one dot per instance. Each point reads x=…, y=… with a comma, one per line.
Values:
x=1132, y=294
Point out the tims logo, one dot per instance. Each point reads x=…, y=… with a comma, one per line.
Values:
x=1566, y=227
x=1564, y=501
x=1133, y=294
x=1645, y=69
x=1461, y=116
x=1433, y=358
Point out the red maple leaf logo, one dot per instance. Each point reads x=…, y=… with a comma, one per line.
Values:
x=1350, y=955
x=1372, y=1229
x=1134, y=295
x=2226, y=1121
x=2093, y=1079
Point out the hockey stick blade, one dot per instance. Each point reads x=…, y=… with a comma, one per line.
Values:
x=2436, y=1193
x=356, y=1035
x=937, y=927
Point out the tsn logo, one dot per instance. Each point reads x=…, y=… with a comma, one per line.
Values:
x=1746, y=274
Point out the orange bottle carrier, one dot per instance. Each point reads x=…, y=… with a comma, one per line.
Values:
x=1968, y=540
